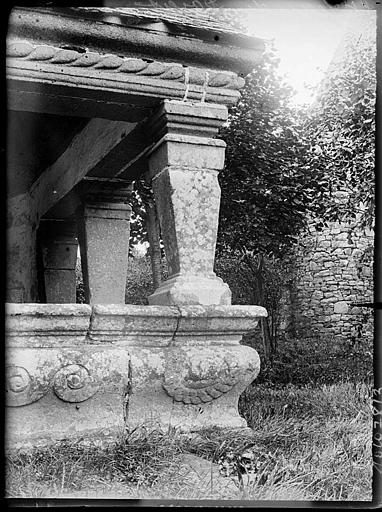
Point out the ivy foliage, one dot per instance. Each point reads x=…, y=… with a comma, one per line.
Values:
x=341, y=128
x=285, y=164
x=266, y=191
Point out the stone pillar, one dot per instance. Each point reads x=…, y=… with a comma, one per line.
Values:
x=184, y=166
x=59, y=247
x=21, y=272
x=104, y=230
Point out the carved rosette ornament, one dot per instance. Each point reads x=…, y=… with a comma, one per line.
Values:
x=74, y=383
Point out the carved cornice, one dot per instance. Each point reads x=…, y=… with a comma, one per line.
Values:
x=115, y=64
x=56, y=67
x=58, y=27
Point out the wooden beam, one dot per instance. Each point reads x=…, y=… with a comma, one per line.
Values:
x=86, y=150
x=65, y=208
x=127, y=160
x=23, y=95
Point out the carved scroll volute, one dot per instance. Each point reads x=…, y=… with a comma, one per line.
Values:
x=22, y=388
x=74, y=383
x=33, y=373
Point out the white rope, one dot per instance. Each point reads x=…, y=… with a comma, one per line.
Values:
x=186, y=82
x=205, y=83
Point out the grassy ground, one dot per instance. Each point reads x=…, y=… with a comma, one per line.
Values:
x=308, y=443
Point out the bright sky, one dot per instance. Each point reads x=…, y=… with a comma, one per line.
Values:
x=306, y=40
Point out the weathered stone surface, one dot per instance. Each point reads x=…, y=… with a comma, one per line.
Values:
x=187, y=118
x=133, y=324
x=66, y=393
x=191, y=289
x=59, y=252
x=192, y=388
x=341, y=307
x=21, y=249
x=165, y=325
x=162, y=365
x=44, y=324
x=184, y=170
x=111, y=74
x=216, y=324
x=338, y=282
x=104, y=230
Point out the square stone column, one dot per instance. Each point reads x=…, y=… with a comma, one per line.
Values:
x=59, y=247
x=184, y=166
x=104, y=230
x=21, y=270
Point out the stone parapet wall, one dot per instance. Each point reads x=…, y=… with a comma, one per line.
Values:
x=332, y=271
x=93, y=372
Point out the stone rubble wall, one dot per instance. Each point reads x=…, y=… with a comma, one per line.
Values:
x=332, y=270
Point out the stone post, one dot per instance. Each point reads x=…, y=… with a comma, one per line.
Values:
x=104, y=230
x=21, y=272
x=184, y=166
x=59, y=247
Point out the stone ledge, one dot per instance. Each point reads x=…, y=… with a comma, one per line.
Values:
x=52, y=325
x=169, y=325
x=133, y=324
x=46, y=323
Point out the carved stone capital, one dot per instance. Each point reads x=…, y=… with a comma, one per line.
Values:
x=175, y=117
x=105, y=198
x=179, y=152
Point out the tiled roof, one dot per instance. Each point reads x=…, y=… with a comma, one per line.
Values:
x=193, y=18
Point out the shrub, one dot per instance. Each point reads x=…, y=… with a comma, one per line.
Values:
x=315, y=361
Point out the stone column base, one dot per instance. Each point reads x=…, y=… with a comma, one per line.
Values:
x=189, y=289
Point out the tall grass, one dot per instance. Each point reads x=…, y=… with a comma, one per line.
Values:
x=306, y=444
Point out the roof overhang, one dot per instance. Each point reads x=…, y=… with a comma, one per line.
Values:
x=99, y=31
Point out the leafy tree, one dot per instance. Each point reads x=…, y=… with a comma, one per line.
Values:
x=266, y=192
x=341, y=127
x=286, y=164
x=146, y=228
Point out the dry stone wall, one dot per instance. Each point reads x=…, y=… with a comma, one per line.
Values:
x=332, y=271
